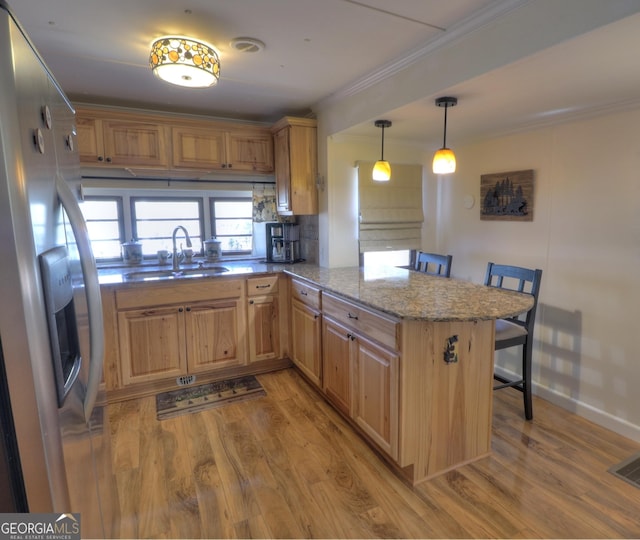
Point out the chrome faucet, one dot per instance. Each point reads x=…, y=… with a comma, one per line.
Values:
x=175, y=259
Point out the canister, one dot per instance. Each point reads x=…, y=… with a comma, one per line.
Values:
x=132, y=252
x=212, y=249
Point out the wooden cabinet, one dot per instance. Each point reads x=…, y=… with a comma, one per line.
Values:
x=295, y=151
x=121, y=142
x=210, y=148
x=263, y=318
x=336, y=368
x=153, y=141
x=360, y=368
x=306, y=330
x=170, y=331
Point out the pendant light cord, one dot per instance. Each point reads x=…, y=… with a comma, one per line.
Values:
x=382, y=149
x=444, y=140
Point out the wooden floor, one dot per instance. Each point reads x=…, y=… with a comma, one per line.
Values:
x=287, y=466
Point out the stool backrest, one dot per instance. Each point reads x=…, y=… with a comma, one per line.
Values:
x=516, y=278
x=433, y=263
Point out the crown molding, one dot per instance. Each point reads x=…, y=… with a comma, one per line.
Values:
x=456, y=32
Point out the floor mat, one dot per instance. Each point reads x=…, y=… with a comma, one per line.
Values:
x=216, y=394
x=628, y=470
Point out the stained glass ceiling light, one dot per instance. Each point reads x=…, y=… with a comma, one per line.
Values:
x=184, y=61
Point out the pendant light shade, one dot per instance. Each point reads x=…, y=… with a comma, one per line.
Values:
x=184, y=61
x=444, y=160
x=382, y=169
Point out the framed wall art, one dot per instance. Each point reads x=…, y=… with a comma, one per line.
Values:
x=507, y=196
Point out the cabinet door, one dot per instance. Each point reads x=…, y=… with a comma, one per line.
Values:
x=263, y=328
x=306, y=331
x=152, y=344
x=198, y=148
x=283, y=171
x=134, y=144
x=213, y=335
x=250, y=151
x=375, y=385
x=336, y=364
x=90, y=141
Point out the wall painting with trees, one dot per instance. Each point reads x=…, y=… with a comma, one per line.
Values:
x=507, y=196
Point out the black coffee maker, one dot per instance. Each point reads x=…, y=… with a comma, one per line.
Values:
x=283, y=242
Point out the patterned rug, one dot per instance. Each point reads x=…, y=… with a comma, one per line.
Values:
x=216, y=394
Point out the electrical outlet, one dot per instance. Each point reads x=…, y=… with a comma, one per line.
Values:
x=451, y=350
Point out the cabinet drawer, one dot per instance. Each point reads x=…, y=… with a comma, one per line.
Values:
x=262, y=285
x=181, y=293
x=305, y=293
x=376, y=326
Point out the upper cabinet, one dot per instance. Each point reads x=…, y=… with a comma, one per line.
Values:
x=211, y=148
x=120, y=142
x=118, y=138
x=296, y=165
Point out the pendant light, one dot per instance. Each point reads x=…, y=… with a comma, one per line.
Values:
x=382, y=169
x=444, y=160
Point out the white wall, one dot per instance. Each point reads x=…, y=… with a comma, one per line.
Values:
x=585, y=236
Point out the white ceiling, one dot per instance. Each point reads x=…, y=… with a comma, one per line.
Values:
x=98, y=51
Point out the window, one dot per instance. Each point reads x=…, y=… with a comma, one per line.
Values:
x=387, y=258
x=150, y=215
x=154, y=219
x=104, y=223
x=232, y=224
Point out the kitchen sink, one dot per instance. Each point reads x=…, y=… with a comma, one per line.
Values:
x=181, y=273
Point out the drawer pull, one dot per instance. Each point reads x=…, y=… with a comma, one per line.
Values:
x=263, y=286
x=352, y=316
x=303, y=293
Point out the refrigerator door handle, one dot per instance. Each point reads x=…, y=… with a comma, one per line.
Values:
x=92, y=289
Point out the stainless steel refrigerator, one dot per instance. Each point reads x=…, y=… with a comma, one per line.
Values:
x=55, y=435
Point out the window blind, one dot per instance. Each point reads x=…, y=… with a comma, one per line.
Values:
x=390, y=213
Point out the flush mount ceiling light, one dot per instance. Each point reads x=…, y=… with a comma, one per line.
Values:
x=382, y=169
x=444, y=160
x=184, y=61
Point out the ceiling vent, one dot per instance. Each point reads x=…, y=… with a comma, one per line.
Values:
x=247, y=45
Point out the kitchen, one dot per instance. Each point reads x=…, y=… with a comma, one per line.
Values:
x=581, y=334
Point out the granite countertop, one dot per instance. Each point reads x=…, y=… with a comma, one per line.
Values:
x=152, y=273
x=414, y=295
x=403, y=293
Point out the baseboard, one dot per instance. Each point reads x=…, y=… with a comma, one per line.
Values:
x=597, y=416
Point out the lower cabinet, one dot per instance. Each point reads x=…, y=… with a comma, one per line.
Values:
x=360, y=368
x=306, y=330
x=336, y=360
x=263, y=318
x=175, y=330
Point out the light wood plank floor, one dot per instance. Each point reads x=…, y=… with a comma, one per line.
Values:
x=287, y=466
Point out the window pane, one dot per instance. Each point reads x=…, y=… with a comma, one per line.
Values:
x=228, y=227
x=387, y=258
x=154, y=221
x=232, y=221
x=104, y=225
x=233, y=209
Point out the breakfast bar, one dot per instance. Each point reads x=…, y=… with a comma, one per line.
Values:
x=408, y=358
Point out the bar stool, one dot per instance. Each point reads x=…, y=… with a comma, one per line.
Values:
x=517, y=331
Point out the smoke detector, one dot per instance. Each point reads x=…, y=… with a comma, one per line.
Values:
x=247, y=44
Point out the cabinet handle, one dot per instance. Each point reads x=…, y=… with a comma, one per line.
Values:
x=100, y=158
x=263, y=286
x=352, y=316
x=180, y=310
x=303, y=293
x=251, y=301
x=109, y=160
x=315, y=317
x=230, y=165
x=188, y=309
